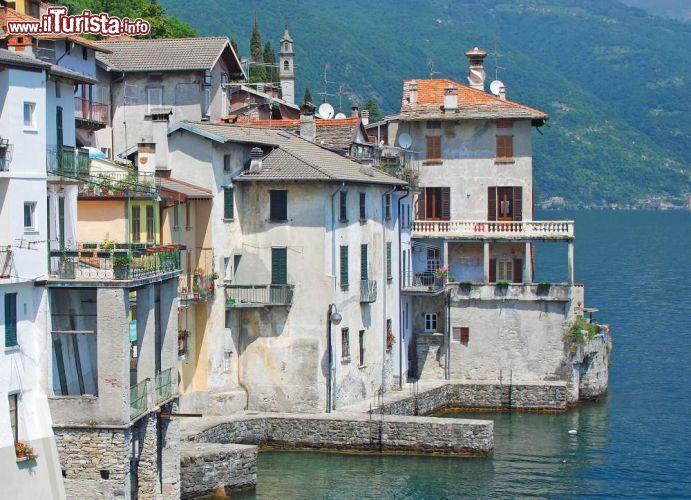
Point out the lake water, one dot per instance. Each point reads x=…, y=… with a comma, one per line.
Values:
x=636, y=443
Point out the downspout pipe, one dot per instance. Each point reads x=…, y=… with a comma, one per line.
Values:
x=333, y=231
x=330, y=376
x=400, y=294
x=384, y=287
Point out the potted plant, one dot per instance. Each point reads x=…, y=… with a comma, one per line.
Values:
x=183, y=335
x=121, y=266
x=442, y=273
x=198, y=271
x=25, y=452
x=543, y=287
x=66, y=267
x=215, y=275
x=465, y=286
x=390, y=340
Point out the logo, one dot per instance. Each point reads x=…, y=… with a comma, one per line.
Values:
x=56, y=21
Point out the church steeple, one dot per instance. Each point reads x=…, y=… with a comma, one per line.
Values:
x=286, y=70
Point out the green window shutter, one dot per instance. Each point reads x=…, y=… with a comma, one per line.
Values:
x=344, y=265
x=388, y=260
x=363, y=262
x=228, y=194
x=279, y=266
x=10, y=319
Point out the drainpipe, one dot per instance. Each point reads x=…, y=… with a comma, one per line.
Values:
x=331, y=373
x=400, y=295
x=333, y=231
x=384, y=288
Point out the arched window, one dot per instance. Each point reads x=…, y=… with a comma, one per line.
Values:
x=285, y=46
x=286, y=66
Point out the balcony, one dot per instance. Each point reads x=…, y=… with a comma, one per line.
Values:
x=113, y=262
x=480, y=230
x=164, y=385
x=397, y=162
x=197, y=285
x=368, y=291
x=139, y=398
x=90, y=115
x=259, y=295
x=556, y=292
x=5, y=154
x=67, y=161
x=423, y=282
x=118, y=184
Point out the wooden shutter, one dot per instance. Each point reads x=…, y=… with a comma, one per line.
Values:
x=228, y=209
x=388, y=260
x=58, y=125
x=420, y=205
x=504, y=147
x=10, y=319
x=149, y=223
x=344, y=265
x=517, y=203
x=363, y=262
x=492, y=203
x=445, y=203
x=433, y=147
x=363, y=206
x=518, y=270
x=136, y=224
x=278, y=211
x=492, y=270
x=279, y=266
x=344, y=207
x=465, y=334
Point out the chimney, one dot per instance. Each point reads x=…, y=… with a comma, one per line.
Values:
x=476, y=73
x=308, y=128
x=364, y=116
x=502, y=93
x=256, y=160
x=412, y=92
x=450, y=98
x=146, y=157
x=354, y=112
x=20, y=43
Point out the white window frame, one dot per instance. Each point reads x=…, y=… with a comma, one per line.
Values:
x=505, y=270
x=206, y=111
x=431, y=322
x=149, y=101
x=433, y=261
x=32, y=215
x=455, y=334
x=31, y=107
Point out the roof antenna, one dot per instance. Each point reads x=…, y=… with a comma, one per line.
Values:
x=326, y=85
x=496, y=54
x=430, y=65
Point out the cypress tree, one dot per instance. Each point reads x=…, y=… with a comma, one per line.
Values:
x=270, y=61
x=308, y=96
x=257, y=73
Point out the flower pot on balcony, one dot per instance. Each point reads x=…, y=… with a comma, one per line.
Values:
x=66, y=269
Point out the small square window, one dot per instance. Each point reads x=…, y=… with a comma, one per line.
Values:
x=430, y=322
x=278, y=209
x=30, y=115
x=29, y=215
x=85, y=53
x=226, y=163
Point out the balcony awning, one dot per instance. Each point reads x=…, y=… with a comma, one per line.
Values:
x=180, y=190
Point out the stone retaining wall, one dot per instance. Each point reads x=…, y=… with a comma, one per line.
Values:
x=357, y=432
x=213, y=467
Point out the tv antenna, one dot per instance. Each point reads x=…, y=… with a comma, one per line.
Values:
x=496, y=54
x=325, y=94
x=430, y=65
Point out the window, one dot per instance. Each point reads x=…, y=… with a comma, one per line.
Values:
x=430, y=322
x=505, y=203
x=154, y=99
x=434, y=124
x=434, y=203
x=286, y=65
x=61, y=221
x=59, y=131
x=460, y=334
x=388, y=261
x=279, y=266
x=387, y=207
x=10, y=319
x=278, y=205
x=14, y=420
x=504, y=147
x=58, y=92
x=228, y=201
x=226, y=163
x=176, y=216
x=433, y=259
x=343, y=207
x=188, y=218
x=229, y=319
x=85, y=53
x=345, y=343
x=285, y=46
x=433, y=147
x=30, y=115
x=363, y=206
x=207, y=77
x=405, y=268
x=361, y=342
x=344, y=265
x=136, y=224
x=363, y=262
x=505, y=270
x=224, y=78
x=150, y=224
x=29, y=215
x=206, y=108
x=226, y=268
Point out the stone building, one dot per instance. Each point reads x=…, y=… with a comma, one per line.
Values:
x=296, y=230
x=476, y=313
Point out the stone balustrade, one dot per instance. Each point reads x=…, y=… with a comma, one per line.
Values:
x=475, y=229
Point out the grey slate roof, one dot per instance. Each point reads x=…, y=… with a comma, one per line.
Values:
x=12, y=58
x=185, y=188
x=169, y=54
x=292, y=158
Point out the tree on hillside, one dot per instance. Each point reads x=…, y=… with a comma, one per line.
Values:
x=257, y=73
x=372, y=106
x=308, y=96
x=270, y=61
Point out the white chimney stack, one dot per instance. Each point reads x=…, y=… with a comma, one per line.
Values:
x=412, y=92
x=308, y=128
x=354, y=112
x=364, y=115
x=502, y=93
x=450, y=98
x=256, y=160
x=146, y=157
x=476, y=73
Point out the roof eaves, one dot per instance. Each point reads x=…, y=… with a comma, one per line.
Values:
x=195, y=130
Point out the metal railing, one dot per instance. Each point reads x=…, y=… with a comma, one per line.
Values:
x=259, y=295
x=92, y=111
x=368, y=290
x=138, y=398
x=427, y=280
x=119, y=183
x=409, y=172
x=123, y=262
x=478, y=229
x=67, y=161
x=197, y=281
x=164, y=385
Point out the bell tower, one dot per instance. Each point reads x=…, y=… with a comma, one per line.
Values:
x=286, y=70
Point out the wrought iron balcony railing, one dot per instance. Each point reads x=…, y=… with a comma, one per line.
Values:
x=94, y=113
x=119, y=183
x=197, y=281
x=368, y=291
x=116, y=262
x=259, y=295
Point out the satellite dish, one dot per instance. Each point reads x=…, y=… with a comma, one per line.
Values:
x=405, y=141
x=339, y=116
x=496, y=86
x=326, y=111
